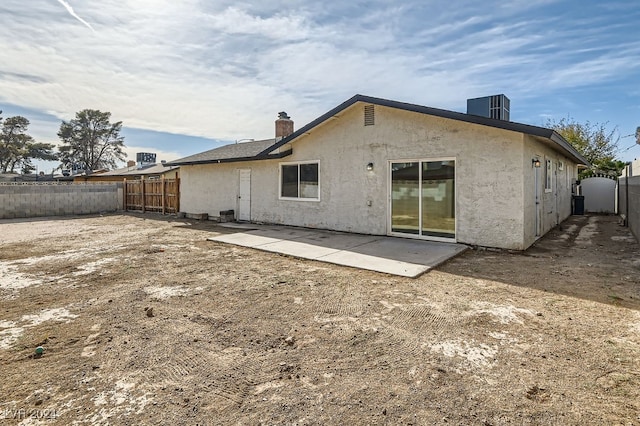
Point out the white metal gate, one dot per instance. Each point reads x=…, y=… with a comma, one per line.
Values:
x=599, y=195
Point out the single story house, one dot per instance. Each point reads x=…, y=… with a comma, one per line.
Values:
x=382, y=167
x=133, y=171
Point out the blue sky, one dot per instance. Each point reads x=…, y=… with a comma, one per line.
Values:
x=187, y=76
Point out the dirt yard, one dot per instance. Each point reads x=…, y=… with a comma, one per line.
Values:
x=143, y=321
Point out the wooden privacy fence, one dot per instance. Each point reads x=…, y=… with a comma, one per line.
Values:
x=153, y=195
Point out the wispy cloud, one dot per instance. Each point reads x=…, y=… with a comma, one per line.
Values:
x=222, y=69
x=237, y=21
x=75, y=15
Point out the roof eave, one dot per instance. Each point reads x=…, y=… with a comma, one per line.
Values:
x=562, y=142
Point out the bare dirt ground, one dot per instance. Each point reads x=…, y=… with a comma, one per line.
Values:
x=143, y=321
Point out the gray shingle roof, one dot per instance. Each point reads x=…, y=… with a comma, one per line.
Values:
x=235, y=152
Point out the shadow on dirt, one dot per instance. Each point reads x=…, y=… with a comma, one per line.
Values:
x=590, y=257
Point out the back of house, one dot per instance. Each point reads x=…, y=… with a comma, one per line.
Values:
x=382, y=167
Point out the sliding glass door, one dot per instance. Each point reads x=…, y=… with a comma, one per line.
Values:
x=423, y=198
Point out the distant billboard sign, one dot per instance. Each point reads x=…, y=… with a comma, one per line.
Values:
x=145, y=157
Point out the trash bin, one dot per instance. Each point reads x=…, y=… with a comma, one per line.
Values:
x=578, y=205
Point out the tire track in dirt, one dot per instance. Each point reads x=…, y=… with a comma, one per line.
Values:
x=420, y=318
x=402, y=340
x=228, y=368
x=171, y=362
x=341, y=311
x=398, y=342
x=236, y=378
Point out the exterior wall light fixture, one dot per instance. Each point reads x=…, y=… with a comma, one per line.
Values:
x=370, y=166
x=536, y=163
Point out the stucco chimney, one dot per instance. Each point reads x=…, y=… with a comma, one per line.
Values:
x=284, y=125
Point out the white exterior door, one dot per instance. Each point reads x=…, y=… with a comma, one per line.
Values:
x=244, y=195
x=539, y=186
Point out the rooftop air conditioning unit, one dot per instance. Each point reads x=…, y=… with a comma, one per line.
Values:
x=496, y=106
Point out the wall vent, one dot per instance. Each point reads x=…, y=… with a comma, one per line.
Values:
x=369, y=115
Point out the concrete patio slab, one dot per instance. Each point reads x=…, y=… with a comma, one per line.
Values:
x=285, y=233
x=396, y=256
x=413, y=251
x=236, y=225
x=299, y=249
x=338, y=241
x=376, y=263
x=244, y=239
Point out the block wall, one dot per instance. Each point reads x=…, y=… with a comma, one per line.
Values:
x=629, y=203
x=33, y=200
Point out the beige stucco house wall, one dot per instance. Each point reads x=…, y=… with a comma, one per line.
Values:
x=554, y=202
x=495, y=180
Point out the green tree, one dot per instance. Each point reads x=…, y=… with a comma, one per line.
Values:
x=38, y=150
x=17, y=147
x=91, y=140
x=594, y=141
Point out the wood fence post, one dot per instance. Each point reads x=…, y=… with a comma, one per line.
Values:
x=124, y=194
x=144, y=198
x=163, y=192
x=176, y=191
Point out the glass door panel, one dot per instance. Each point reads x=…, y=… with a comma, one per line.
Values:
x=423, y=198
x=405, y=198
x=438, y=199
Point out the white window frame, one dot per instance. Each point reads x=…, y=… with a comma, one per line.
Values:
x=548, y=176
x=297, y=163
